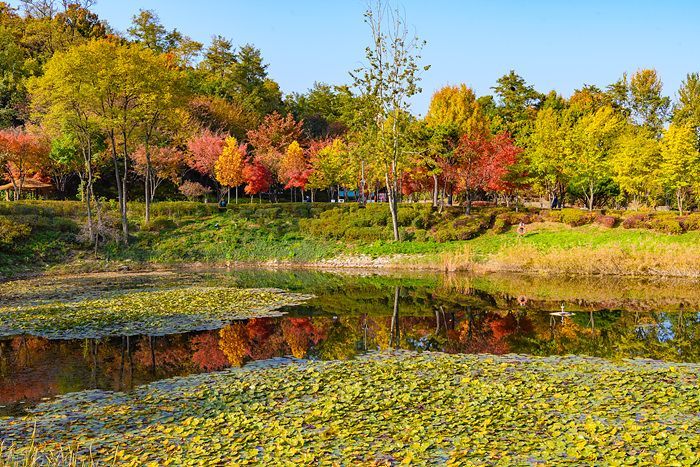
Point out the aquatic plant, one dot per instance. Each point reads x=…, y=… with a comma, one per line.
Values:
x=386, y=409
x=152, y=313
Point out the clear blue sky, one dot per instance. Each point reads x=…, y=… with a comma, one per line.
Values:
x=553, y=44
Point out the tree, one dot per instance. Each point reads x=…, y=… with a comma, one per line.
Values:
x=229, y=167
x=634, y=162
x=680, y=162
x=687, y=110
x=64, y=160
x=389, y=80
x=294, y=170
x=204, y=150
x=63, y=99
x=114, y=89
x=546, y=151
x=257, y=177
x=588, y=147
x=641, y=100
x=193, y=190
x=22, y=155
x=457, y=106
x=161, y=163
x=484, y=163
x=272, y=138
x=517, y=104
x=330, y=167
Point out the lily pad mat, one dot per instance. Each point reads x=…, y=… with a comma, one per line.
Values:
x=387, y=409
x=152, y=313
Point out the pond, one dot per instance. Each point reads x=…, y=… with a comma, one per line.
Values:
x=331, y=316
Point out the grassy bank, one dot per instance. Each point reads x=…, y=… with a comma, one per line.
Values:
x=38, y=235
x=386, y=409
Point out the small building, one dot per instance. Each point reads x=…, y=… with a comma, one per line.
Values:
x=29, y=184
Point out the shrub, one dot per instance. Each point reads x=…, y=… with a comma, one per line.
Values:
x=158, y=224
x=500, y=225
x=607, y=221
x=636, y=221
x=691, y=222
x=666, y=225
x=193, y=190
x=575, y=217
x=12, y=232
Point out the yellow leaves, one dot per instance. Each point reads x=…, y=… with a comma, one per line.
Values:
x=229, y=167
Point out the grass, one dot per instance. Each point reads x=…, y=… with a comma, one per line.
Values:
x=387, y=408
x=561, y=242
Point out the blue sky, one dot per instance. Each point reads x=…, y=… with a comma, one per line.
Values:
x=552, y=44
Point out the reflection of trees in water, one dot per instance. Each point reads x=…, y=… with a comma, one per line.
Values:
x=32, y=368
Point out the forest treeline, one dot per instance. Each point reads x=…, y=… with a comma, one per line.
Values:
x=152, y=114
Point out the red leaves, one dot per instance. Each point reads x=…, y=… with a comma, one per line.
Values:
x=271, y=139
x=204, y=151
x=484, y=163
x=257, y=177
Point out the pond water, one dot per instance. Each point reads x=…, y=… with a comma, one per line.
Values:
x=351, y=314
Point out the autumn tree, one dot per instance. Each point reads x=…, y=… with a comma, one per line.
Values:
x=63, y=99
x=229, y=167
x=272, y=138
x=680, y=163
x=257, y=177
x=389, y=80
x=294, y=170
x=22, y=155
x=457, y=106
x=331, y=168
x=204, y=150
x=159, y=165
x=546, y=152
x=454, y=111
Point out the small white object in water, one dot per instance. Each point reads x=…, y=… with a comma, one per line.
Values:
x=561, y=313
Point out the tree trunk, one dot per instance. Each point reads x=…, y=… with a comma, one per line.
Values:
x=435, y=190
x=393, y=206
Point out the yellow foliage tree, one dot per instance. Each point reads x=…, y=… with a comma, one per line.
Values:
x=229, y=168
x=457, y=106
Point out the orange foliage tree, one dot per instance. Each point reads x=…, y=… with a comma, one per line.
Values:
x=22, y=155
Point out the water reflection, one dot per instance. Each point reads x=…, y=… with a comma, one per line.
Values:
x=351, y=315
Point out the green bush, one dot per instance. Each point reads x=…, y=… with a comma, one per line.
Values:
x=12, y=232
x=691, y=222
x=572, y=216
x=158, y=224
x=665, y=224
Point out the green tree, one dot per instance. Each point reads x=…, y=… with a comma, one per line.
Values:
x=687, y=109
x=640, y=98
x=589, y=146
x=517, y=104
x=546, y=152
x=389, y=80
x=634, y=162
x=680, y=163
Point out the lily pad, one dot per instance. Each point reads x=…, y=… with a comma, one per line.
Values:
x=152, y=313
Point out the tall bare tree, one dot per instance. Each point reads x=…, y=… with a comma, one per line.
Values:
x=388, y=80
